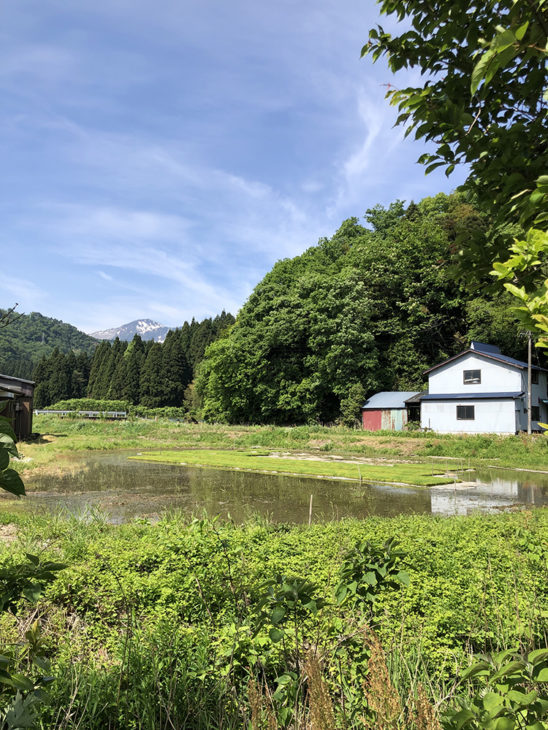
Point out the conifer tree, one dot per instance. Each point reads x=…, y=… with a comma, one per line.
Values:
x=99, y=356
x=80, y=375
x=108, y=368
x=202, y=336
x=41, y=375
x=176, y=372
x=61, y=377
x=151, y=390
x=133, y=357
x=116, y=385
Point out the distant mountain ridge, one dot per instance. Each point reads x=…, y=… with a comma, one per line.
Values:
x=28, y=337
x=147, y=329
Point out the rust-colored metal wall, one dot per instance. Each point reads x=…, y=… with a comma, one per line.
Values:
x=372, y=420
x=389, y=419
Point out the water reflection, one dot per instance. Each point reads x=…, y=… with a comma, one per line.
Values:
x=124, y=489
x=491, y=490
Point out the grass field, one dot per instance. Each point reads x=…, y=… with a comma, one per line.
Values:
x=61, y=437
x=416, y=474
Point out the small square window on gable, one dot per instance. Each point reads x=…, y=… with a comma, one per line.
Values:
x=471, y=377
x=534, y=377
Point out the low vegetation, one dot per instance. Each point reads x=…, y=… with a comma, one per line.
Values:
x=375, y=623
x=416, y=474
x=60, y=437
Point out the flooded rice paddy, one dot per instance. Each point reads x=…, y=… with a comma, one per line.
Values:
x=123, y=489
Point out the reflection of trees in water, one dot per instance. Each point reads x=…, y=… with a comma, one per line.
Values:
x=124, y=489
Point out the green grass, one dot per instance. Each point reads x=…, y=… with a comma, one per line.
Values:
x=416, y=474
x=62, y=437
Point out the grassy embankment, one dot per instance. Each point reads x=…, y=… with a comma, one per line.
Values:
x=412, y=453
x=166, y=625
x=416, y=474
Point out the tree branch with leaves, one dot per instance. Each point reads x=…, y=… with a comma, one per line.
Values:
x=483, y=103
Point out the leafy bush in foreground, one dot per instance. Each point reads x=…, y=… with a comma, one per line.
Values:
x=204, y=624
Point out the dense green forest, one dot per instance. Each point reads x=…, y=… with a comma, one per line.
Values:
x=149, y=373
x=30, y=337
x=367, y=310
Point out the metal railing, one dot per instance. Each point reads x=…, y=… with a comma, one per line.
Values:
x=84, y=414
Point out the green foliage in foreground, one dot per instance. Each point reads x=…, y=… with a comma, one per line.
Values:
x=24, y=666
x=417, y=474
x=10, y=481
x=181, y=624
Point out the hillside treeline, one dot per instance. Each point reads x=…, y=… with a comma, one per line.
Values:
x=364, y=311
x=141, y=372
x=26, y=338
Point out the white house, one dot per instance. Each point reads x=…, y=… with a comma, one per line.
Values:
x=482, y=391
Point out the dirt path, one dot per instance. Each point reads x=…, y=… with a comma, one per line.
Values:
x=8, y=533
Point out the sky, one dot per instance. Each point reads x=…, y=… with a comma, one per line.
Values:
x=159, y=157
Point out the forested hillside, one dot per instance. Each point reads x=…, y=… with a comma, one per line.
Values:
x=29, y=337
x=140, y=372
x=366, y=310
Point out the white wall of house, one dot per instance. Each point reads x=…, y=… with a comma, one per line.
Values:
x=538, y=393
x=496, y=377
x=501, y=415
x=490, y=416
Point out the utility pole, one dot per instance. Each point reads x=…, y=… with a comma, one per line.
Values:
x=529, y=358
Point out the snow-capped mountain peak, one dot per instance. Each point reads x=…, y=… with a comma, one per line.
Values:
x=146, y=328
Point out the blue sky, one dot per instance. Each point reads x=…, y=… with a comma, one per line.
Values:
x=159, y=157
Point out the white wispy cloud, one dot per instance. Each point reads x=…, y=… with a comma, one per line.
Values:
x=25, y=292
x=162, y=157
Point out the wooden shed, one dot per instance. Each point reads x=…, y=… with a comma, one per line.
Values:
x=386, y=411
x=16, y=397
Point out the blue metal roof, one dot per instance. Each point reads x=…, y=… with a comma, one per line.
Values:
x=389, y=399
x=491, y=356
x=513, y=361
x=469, y=396
x=484, y=347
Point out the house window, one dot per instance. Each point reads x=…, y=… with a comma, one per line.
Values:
x=471, y=377
x=534, y=377
x=535, y=413
x=466, y=413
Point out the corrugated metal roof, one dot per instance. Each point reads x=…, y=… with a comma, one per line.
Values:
x=16, y=380
x=484, y=347
x=491, y=356
x=416, y=399
x=513, y=361
x=389, y=399
x=469, y=396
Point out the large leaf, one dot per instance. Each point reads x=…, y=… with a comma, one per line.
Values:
x=12, y=482
x=5, y=427
x=4, y=459
x=7, y=443
x=538, y=655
